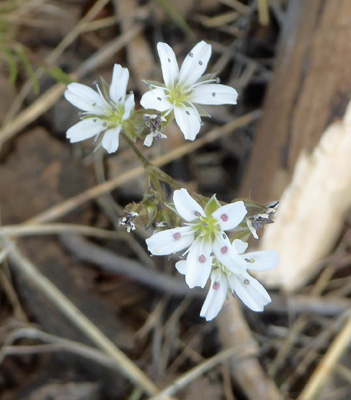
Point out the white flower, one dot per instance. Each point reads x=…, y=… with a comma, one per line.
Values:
x=202, y=235
x=248, y=289
x=99, y=114
x=184, y=90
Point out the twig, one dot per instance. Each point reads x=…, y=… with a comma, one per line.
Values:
x=201, y=369
x=126, y=366
x=328, y=362
x=111, y=262
x=58, y=229
x=68, y=205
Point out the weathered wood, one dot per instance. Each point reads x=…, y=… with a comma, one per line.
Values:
x=310, y=88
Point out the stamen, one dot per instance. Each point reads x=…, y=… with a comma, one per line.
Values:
x=213, y=94
x=216, y=285
x=211, y=254
x=187, y=112
x=224, y=249
x=224, y=236
x=224, y=217
x=200, y=62
x=205, y=224
x=94, y=119
x=202, y=259
x=94, y=104
x=169, y=60
x=177, y=236
x=104, y=124
x=120, y=99
x=159, y=98
x=246, y=282
x=197, y=213
x=191, y=54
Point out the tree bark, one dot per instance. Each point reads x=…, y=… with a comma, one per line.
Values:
x=310, y=88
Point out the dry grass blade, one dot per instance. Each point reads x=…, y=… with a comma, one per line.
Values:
x=126, y=366
x=49, y=98
x=328, y=362
x=200, y=370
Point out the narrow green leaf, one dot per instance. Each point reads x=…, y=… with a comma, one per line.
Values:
x=12, y=65
x=28, y=68
x=59, y=75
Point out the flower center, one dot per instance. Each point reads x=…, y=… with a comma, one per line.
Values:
x=178, y=95
x=116, y=115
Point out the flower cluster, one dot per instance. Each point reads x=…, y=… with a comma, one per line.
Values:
x=110, y=111
x=208, y=251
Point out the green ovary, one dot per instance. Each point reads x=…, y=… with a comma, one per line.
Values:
x=178, y=96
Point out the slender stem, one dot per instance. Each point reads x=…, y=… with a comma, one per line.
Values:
x=150, y=168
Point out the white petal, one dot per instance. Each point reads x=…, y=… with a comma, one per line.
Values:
x=263, y=260
x=128, y=106
x=188, y=120
x=230, y=215
x=156, y=99
x=85, y=129
x=169, y=63
x=119, y=84
x=149, y=139
x=239, y=246
x=227, y=256
x=186, y=206
x=86, y=99
x=110, y=140
x=214, y=94
x=216, y=296
x=252, y=293
x=195, y=63
x=181, y=266
x=170, y=241
x=199, y=263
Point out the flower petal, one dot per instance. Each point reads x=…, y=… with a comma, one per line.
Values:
x=188, y=120
x=186, y=206
x=119, y=84
x=261, y=260
x=195, y=63
x=230, y=215
x=216, y=296
x=110, y=140
x=239, y=246
x=85, y=129
x=181, y=266
x=128, y=106
x=169, y=63
x=170, y=241
x=86, y=99
x=214, y=94
x=156, y=99
x=199, y=263
x=227, y=256
x=250, y=291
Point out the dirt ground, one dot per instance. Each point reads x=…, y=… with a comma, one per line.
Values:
x=109, y=334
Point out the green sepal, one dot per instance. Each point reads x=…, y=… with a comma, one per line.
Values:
x=212, y=205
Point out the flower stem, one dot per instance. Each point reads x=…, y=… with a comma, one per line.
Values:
x=152, y=170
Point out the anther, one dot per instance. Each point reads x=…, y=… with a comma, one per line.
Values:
x=224, y=217
x=120, y=99
x=169, y=60
x=216, y=285
x=211, y=254
x=197, y=214
x=94, y=104
x=224, y=249
x=246, y=282
x=177, y=236
x=205, y=224
x=191, y=54
x=94, y=119
x=200, y=62
x=104, y=124
x=224, y=236
x=159, y=98
x=202, y=259
x=213, y=94
x=187, y=112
